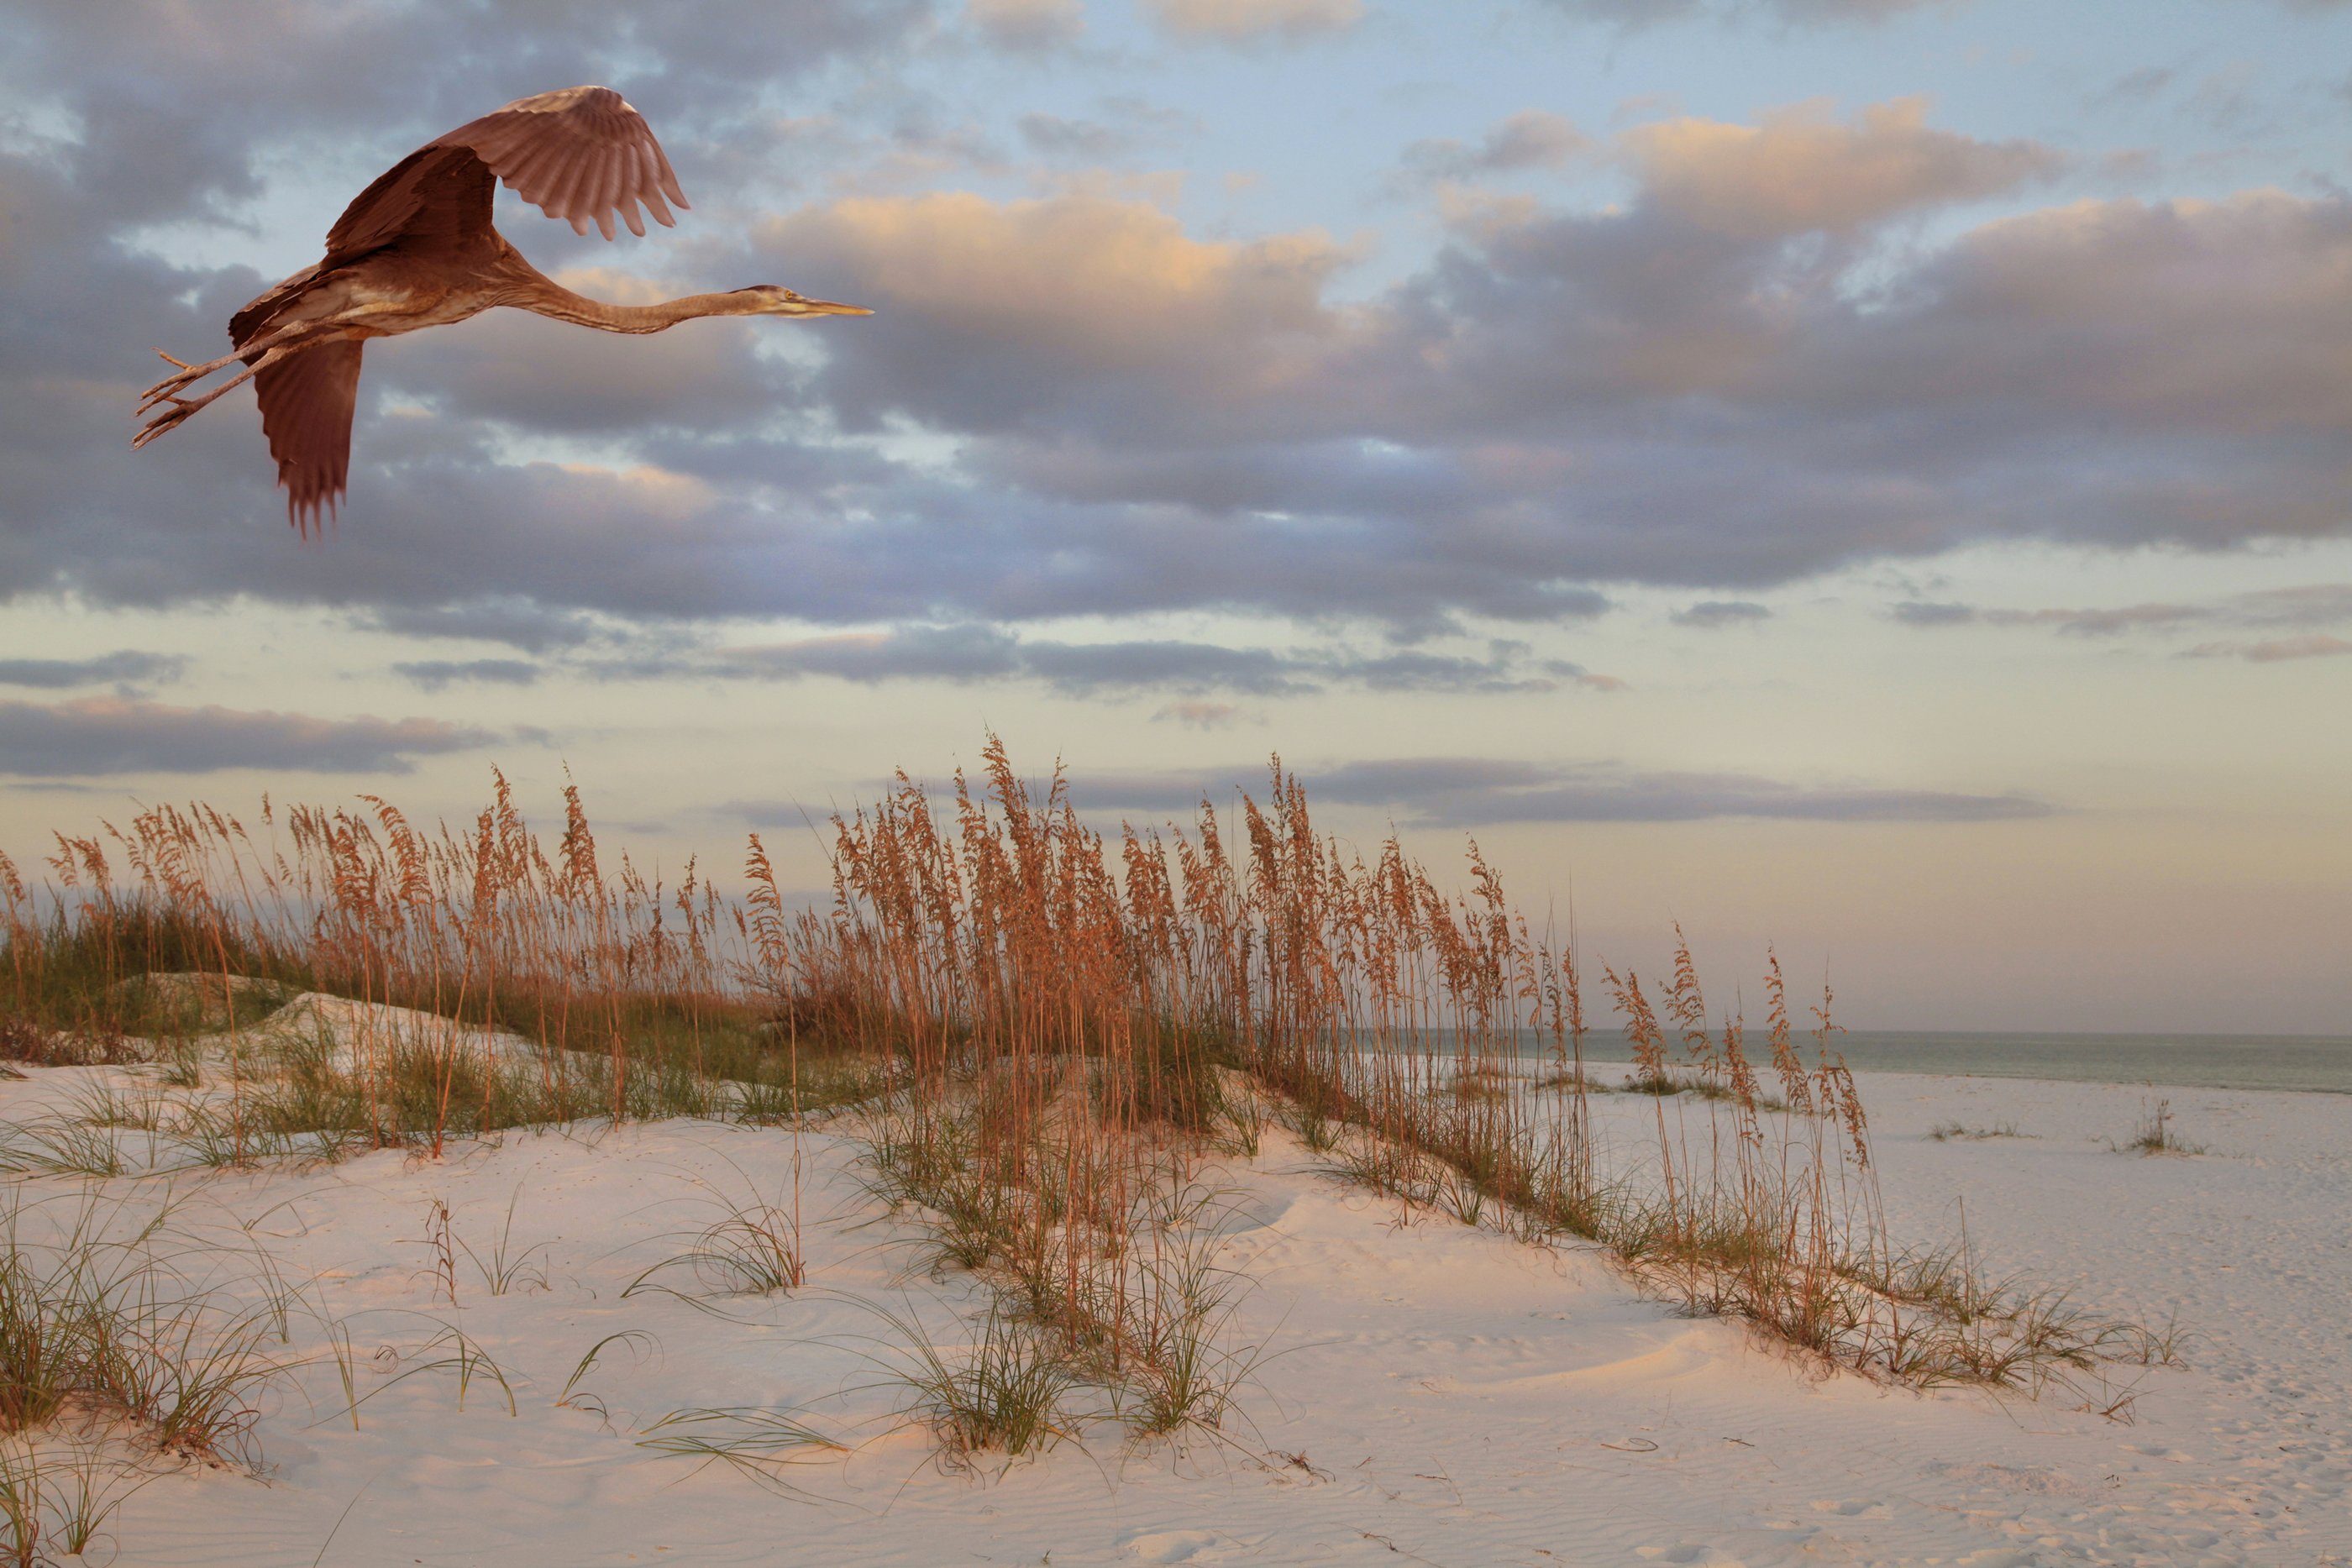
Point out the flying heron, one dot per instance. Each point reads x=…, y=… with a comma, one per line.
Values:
x=417, y=249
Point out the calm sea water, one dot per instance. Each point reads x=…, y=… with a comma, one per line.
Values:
x=2322, y=1062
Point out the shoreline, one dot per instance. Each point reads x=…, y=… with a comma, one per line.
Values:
x=1875, y=1070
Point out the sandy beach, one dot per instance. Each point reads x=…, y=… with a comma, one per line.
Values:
x=1430, y=1393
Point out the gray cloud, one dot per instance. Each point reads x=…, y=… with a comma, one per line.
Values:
x=1530, y=139
x=1122, y=125
x=973, y=653
x=964, y=653
x=518, y=623
x=127, y=666
x=1083, y=140
x=99, y=737
x=1027, y=25
x=434, y=675
x=2310, y=604
x=1481, y=791
x=2093, y=622
x=1712, y=613
x=1197, y=714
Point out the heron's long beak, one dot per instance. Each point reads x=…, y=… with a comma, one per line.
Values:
x=827, y=308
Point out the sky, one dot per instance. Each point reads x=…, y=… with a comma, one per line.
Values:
x=1871, y=476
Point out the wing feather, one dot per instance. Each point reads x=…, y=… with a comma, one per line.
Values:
x=609, y=179
x=307, y=403
x=582, y=155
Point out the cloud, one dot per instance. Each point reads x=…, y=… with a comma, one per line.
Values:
x=1086, y=141
x=979, y=290
x=1799, y=171
x=515, y=622
x=1930, y=613
x=1532, y=138
x=1631, y=14
x=965, y=652
x=434, y=675
x=2093, y=622
x=1027, y=24
x=1711, y=613
x=1482, y=791
x=1074, y=404
x=127, y=666
x=2308, y=604
x=972, y=652
x=1244, y=21
x=1196, y=713
x=2305, y=605
x=97, y=737
x=2277, y=650
x=170, y=111
x=1121, y=125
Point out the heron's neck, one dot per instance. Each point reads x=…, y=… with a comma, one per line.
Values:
x=548, y=298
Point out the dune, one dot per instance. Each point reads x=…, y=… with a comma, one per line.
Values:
x=1424, y=1391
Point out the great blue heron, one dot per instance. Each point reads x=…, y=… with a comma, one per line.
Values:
x=417, y=249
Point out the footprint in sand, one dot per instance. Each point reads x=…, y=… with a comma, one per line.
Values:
x=1168, y=1545
x=1851, y=1507
x=1692, y=1554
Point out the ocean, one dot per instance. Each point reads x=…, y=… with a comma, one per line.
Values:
x=2305, y=1061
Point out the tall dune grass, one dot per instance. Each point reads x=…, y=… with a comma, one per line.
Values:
x=1064, y=1024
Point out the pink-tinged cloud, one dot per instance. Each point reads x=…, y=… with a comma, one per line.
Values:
x=2316, y=645
x=1799, y=171
x=1242, y=21
x=1092, y=283
x=1632, y=13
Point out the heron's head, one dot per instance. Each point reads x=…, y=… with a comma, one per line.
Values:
x=775, y=299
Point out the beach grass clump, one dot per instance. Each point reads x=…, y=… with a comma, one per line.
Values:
x=1010, y=1392
x=1945, y=1132
x=101, y=1320
x=751, y=1246
x=2158, y=1133
x=754, y=1441
x=57, y=1498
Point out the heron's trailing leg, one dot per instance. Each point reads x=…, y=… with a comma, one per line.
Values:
x=182, y=408
x=162, y=391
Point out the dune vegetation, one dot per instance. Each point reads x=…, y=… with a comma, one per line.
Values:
x=1048, y=1038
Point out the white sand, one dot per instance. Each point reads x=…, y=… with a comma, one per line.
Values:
x=1458, y=1398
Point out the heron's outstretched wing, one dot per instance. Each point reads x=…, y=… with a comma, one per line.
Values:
x=306, y=411
x=581, y=155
